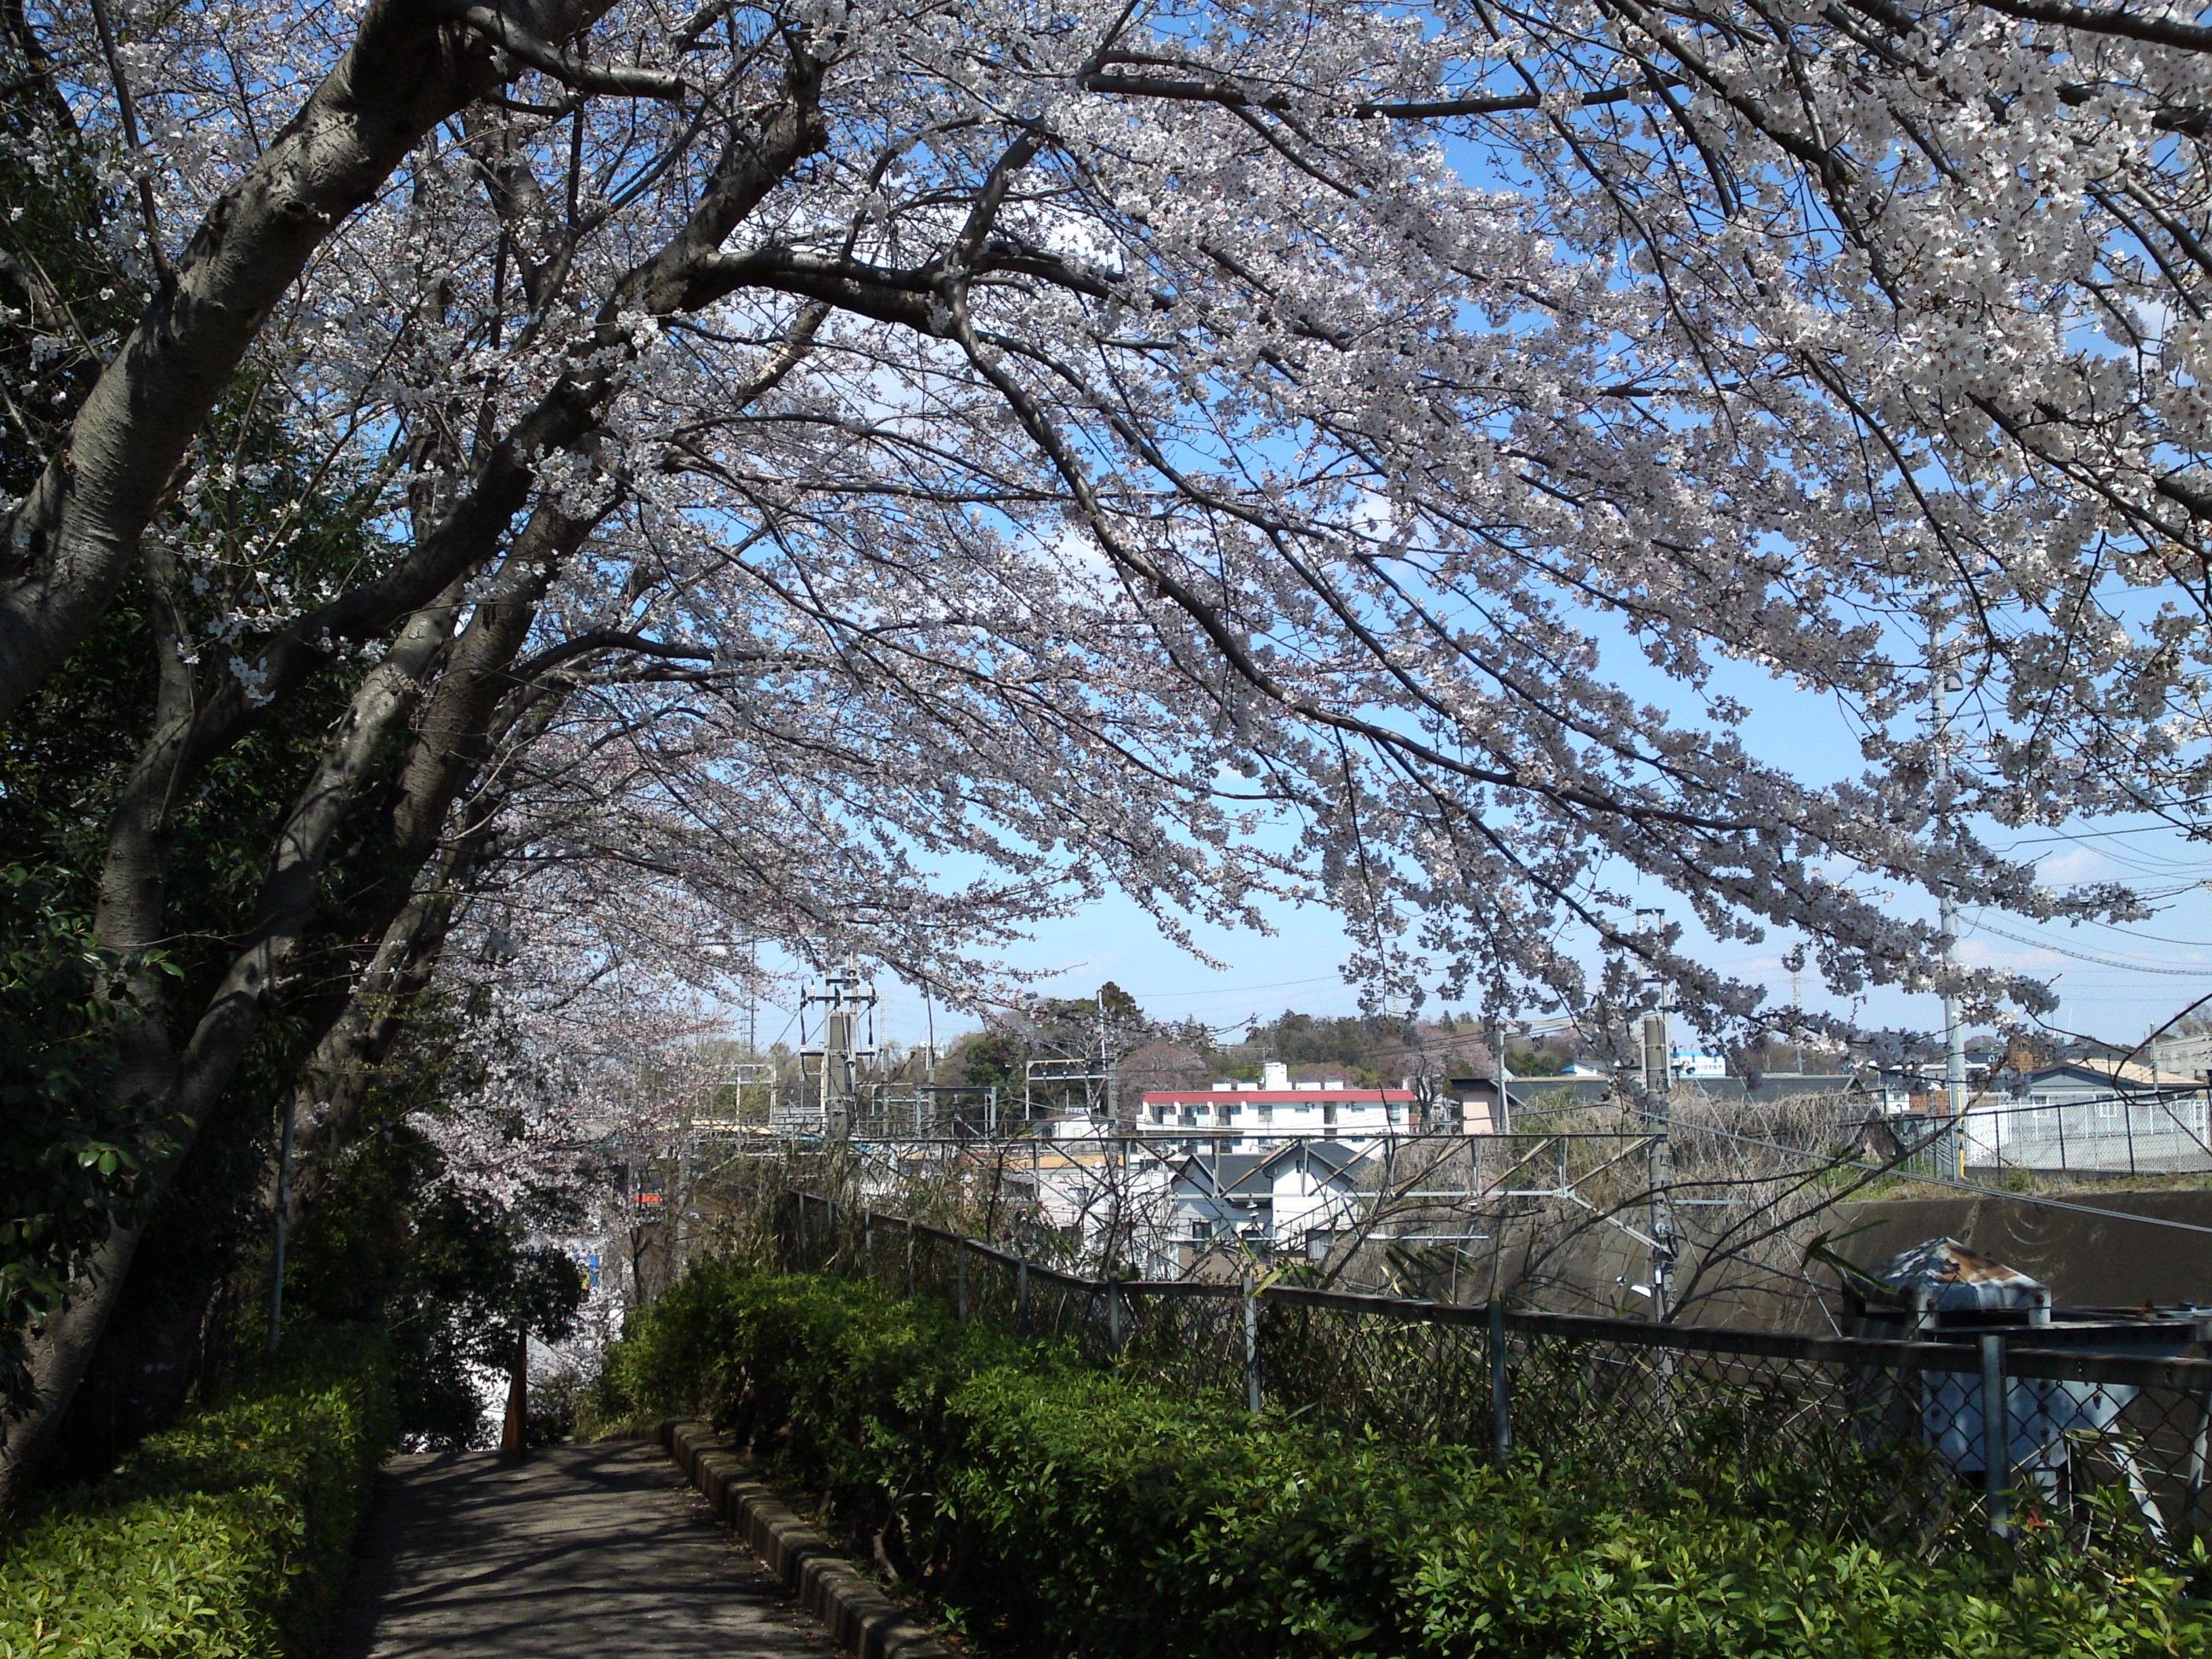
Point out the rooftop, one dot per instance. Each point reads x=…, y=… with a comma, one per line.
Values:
x=1302, y=1095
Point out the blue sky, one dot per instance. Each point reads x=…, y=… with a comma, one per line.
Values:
x=1295, y=969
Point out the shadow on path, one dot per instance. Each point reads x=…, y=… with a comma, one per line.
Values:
x=593, y=1552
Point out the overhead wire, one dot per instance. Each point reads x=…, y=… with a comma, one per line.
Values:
x=1236, y=990
x=2083, y=956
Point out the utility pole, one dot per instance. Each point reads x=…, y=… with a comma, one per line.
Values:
x=1504, y=1072
x=1494, y=1035
x=752, y=1001
x=1659, y=1114
x=1110, y=1065
x=1955, y=1037
x=847, y=1035
x=1797, y=960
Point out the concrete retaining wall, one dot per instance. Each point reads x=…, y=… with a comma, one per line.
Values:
x=2087, y=1260
x=859, y=1618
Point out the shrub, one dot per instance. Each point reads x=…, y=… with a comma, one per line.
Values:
x=226, y=1537
x=1056, y=1510
x=841, y=1388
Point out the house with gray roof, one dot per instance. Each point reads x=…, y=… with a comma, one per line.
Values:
x=1295, y=1199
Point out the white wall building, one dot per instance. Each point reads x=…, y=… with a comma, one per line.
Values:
x=1275, y=1106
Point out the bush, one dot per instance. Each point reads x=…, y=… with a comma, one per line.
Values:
x=841, y=1388
x=1058, y=1510
x=226, y=1537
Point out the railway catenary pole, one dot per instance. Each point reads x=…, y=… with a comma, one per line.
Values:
x=1658, y=1106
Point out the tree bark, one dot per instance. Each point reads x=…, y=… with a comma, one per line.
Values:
x=513, y=1431
x=333, y=1088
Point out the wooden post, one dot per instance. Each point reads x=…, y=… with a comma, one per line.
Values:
x=518, y=1397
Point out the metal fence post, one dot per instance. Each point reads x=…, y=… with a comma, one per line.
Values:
x=1022, y=1297
x=960, y=1278
x=1997, y=1435
x=909, y=1256
x=1251, y=1344
x=1501, y=1418
x=1114, y=1318
x=2193, y=1492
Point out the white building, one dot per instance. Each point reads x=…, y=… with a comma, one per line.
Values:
x=1274, y=1107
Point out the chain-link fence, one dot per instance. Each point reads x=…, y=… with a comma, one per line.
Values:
x=2122, y=1132
x=2149, y=1132
x=2008, y=1428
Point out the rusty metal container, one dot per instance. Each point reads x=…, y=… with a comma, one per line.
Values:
x=1943, y=1290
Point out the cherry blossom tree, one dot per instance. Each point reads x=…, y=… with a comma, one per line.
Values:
x=793, y=447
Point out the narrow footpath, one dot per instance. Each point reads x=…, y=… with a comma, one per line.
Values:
x=597, y=1552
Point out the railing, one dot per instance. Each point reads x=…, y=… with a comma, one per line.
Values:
x=1869, y=1436
x=2149, y=1132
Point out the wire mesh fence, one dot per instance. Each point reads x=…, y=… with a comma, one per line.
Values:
x=2010, y=1428
x=2146, y=1132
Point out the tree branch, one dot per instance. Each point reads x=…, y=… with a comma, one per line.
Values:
x=1222, y=92
x=521, y=44
x=2102, y=19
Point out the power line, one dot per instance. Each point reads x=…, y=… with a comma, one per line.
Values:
x=2083, y=956
x=1236, y=990
x=2067, y=838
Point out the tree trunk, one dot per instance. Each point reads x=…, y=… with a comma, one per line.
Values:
x=61, y=1352
x=189, y=730
x=183, y=1087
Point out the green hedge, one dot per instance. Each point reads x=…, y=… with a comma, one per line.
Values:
x=1054, y=1510
x=225, y=1538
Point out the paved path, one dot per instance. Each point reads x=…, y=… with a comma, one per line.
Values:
x=594, y=1551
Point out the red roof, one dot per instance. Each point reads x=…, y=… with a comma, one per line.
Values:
x=1274, y=1097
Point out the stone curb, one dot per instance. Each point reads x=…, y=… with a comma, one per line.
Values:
x=859, y=1618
